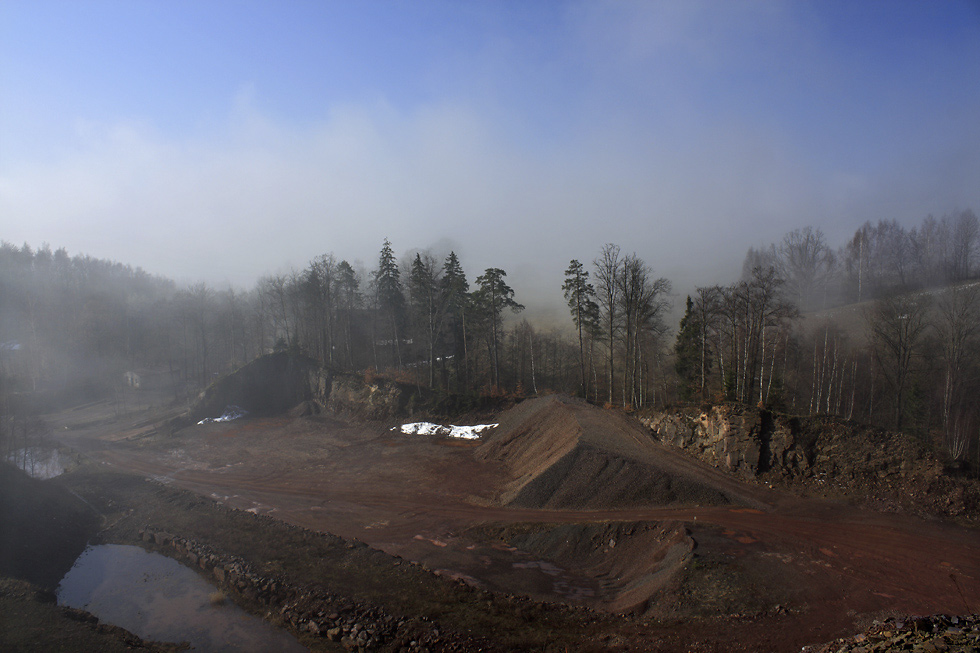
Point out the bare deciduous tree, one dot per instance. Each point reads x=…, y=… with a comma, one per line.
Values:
x=806, y=263
x=958, y=328
x=897, y=324
x=607, y=267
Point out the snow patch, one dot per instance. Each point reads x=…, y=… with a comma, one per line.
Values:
x=450, y=431
x=231, y=412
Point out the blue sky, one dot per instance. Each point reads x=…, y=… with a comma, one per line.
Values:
x=226, y=140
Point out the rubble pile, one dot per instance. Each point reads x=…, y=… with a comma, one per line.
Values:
x=917, y=634
x=820, y=455
x=314, y=610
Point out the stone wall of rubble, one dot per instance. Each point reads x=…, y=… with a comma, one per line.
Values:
x=311, y=610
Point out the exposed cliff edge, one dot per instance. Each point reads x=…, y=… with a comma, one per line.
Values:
x=820, y=455
x=376, y=399
x=741, y=439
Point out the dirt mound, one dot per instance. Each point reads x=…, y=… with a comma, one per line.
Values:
x=43, y=528
x=269, y=385
x=632, y=560
x=564, y=453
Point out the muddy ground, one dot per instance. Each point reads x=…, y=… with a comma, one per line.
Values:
x=754, y=570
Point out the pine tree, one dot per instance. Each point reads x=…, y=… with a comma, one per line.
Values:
x=580, y=295
x=456, y=299
x=346, y=289
x=426, y=306
x=687, y=350
x=491, y=298
x=389, y=297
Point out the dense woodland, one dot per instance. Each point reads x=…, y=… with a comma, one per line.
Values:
x=884, y=329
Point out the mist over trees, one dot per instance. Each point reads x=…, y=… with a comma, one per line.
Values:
x=889, y=332
x=884, y=329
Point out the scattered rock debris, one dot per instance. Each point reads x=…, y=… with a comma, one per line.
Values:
x=821, y=456
x=917, y=634
x=355, y=625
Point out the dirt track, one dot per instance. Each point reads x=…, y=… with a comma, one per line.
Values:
x=783, y=572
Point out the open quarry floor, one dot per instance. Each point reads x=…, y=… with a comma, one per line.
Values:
x=705, y=563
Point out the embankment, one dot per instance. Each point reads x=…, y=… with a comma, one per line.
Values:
x=43, y=528
x=564, y=453
x=820, y=455
x=632, y=561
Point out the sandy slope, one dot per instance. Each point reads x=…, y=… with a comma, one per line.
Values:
x=564, y=453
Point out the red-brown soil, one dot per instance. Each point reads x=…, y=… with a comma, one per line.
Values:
x=756, y=569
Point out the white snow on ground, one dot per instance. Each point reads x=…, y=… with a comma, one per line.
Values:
x=231, y=412
x=450, y=431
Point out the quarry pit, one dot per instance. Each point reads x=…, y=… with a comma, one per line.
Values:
x=563, y=504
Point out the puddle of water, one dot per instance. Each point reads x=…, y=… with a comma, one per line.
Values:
x=160, y=599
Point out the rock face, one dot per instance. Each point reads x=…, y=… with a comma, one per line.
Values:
x=371, y=399
x=754, y=442
x=291, y=382
x=744, y=440
x=374, y=396
x=820, y=455
x=287, y=381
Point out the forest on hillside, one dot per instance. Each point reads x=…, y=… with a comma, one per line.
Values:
x=884, y=329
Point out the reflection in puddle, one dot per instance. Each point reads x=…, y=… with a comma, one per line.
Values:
x=159, y=599
x=40, y=462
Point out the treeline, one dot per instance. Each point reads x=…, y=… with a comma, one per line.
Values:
x=77, y=324
x=908, y=358
x=65, y=321
x=622, y=312
x=71, y=327
x=420, y=321
x=881, y=258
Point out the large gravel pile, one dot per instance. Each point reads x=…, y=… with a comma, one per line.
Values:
x=564, y=453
